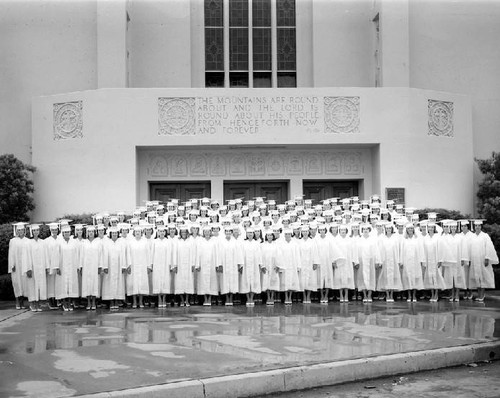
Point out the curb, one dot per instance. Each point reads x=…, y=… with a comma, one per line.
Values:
x=324, y=374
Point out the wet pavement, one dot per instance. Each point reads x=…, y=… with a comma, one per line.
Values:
x=57, y=354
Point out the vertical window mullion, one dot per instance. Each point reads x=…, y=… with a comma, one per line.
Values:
x=250, y=44
x=274, y=45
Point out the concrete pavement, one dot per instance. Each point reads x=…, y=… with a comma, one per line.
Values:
x=236, y=351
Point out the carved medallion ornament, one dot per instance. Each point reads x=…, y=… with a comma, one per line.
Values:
x=441, y=118
x=68, y=120
x=342, y=114
x=176, y=116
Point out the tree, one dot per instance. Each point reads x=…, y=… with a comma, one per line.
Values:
x=488, y=196
x=16, y=189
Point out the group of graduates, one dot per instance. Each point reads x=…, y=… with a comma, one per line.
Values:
x=201, y=249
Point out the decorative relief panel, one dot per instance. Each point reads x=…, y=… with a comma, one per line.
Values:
x=275, y=165
x=179, y=166
x=352, y=163
x=295, y=164
x=333, y=163
x=253, y=164
x=68, y=120
x=158, y=166
x=176, y=116
x=314, y=164
x=256, y=165
x=237, y=165
x=218, y=165
x=341, y=114
x=198, y=165
x=440, y=118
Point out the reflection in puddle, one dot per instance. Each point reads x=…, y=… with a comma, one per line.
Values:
x=270, y=335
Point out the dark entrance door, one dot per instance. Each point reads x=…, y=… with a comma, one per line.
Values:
x=319, y=190
x=277, y=190
x=164, y=191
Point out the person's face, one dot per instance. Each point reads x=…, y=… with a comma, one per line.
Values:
x=148, y=233
x=288, y=237
x=184, y=234
x=228, y=233
x=53, y=232
x=465, y=228
x=322, y=232
x=401, y=229
x=453, y=229
x=257, y=234
x=207, y=233
x=79, y=233
x=161, y=233
x=36, y=233
x=430, y=230
x=388, y=231
x=137, y=234
x=21, y=232
x=236, y=232
x=90, y=235
x=66, y=235
x=114, y=236
x=343, y=232
x=477, y=228
x=410, y=231
x=124, y=232
x=249, y=235
x=100, y=233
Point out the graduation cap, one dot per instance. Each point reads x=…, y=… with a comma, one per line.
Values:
x=18, y=225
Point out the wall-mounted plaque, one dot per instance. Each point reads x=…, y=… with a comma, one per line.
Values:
x=395, y=194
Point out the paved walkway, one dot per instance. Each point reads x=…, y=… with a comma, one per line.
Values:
x=56, y=354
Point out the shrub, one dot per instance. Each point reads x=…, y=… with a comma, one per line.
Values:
x=84, y=218
x=488, y=195
x=443, y=214
x=16, y=189
x=5, y=237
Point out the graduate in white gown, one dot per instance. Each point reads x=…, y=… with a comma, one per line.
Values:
x=482, y=256
x=91, y=259
x=67, y=273
x=186, y=257
x=389, y=279
x=453, y=272
x=369, y=259
x=250, y=269
x=162, y=256
x=19, y=263
x=114, y=265
x=139, y=260
x=53, y=255
x=343, y=277
x=289, y=262
x=309, y=262
x=229, y=260
x=435, y=254
x=412, y=262
x=205, y=266
x=39, y=268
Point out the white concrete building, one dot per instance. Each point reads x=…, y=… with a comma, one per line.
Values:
x=114, y=102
